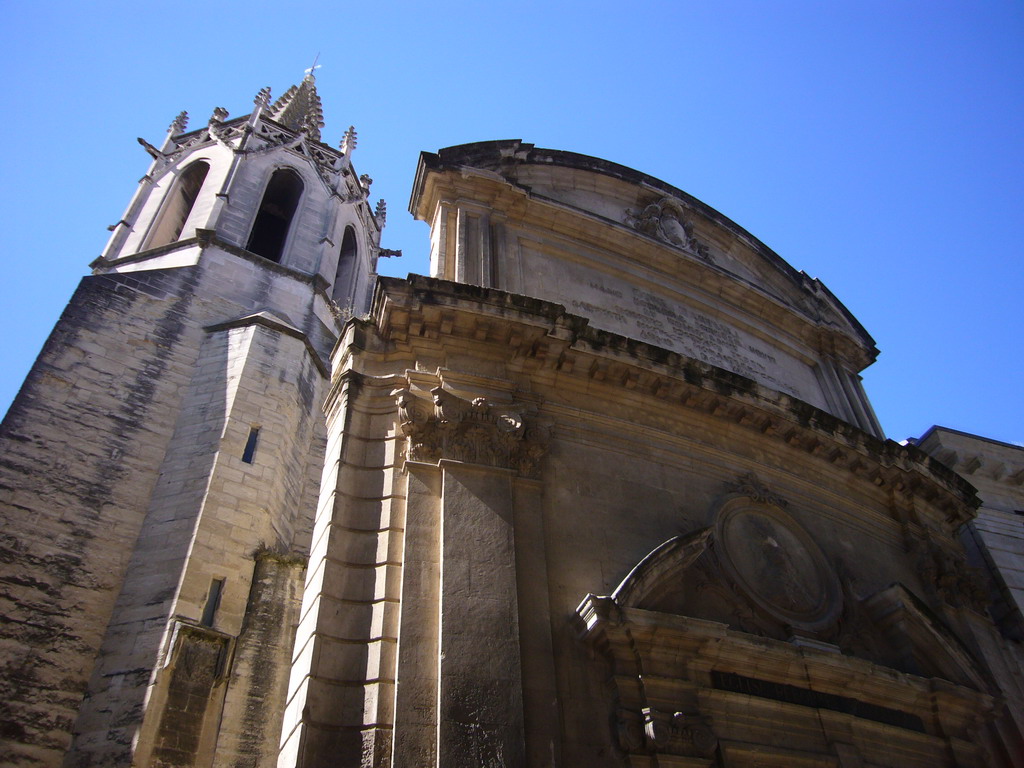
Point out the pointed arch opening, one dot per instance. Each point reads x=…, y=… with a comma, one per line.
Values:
x=178, y=205
x=346, y=263
x=274, y=218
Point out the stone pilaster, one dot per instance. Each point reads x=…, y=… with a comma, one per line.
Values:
x=415, y=740
x=480, y=707
x=460, y=666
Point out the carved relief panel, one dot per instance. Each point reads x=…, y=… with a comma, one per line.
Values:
x=747, y=613
x=773, y=561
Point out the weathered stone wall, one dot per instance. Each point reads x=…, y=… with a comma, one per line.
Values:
x=80, y=445
x=142, y=404
x=250, y=729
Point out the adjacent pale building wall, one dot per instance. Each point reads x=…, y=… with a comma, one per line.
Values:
x=995, y=538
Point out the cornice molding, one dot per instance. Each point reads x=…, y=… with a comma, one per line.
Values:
x=463, y=180
x=540, y=339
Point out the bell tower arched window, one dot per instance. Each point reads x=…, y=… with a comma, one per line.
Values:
x=178, y=205
x=274, y=218
x=346, y=263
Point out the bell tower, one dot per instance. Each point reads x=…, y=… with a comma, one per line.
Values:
x=179, y=399
x=263, y=183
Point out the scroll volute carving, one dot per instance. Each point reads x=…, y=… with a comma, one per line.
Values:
x=477, y=431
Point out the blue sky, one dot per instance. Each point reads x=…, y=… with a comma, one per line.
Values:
x=877, y=146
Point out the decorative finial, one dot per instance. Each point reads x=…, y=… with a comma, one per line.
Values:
x=311, y=72
x=349, y=140
x=365, y=181
x=262, y=99
x=180, y=123
x=311, y=124
x=219, y=113
x=381, y=213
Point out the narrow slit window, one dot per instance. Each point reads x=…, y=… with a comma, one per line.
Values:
x=178, y=205
x=346, y=263
x=274, y=218
x=212, y=602
x=250, y=445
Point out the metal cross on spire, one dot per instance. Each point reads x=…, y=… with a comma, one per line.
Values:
x=311, y=72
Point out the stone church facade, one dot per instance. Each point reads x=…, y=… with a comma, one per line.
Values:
x=603, y=490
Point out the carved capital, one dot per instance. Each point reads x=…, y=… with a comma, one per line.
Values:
x=471, y=431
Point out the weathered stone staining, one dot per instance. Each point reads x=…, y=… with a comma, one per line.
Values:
x=603, y=490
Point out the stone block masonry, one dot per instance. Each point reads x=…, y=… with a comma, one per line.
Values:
x=78, y=448
x=125, y=497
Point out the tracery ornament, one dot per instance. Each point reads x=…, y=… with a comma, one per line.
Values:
x=475, y=432
x=329, y=165
x=266, y=136
x=664, y=220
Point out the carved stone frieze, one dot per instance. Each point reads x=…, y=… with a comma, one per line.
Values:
x=664, y=220
x=676, y=733
x=475, y=432
x=750, y=485
x=949, y=576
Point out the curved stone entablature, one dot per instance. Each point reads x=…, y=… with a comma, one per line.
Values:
x=643, y=259
x=542, y=336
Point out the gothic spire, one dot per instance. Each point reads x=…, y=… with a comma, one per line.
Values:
x=299, y=108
